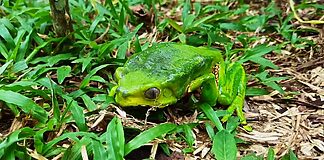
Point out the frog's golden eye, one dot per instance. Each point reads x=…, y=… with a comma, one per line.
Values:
x=152, y=93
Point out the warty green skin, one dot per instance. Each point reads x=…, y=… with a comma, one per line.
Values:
x=177, y=70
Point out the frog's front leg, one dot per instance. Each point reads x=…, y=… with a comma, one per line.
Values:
x=209, y=90
x=232, y=84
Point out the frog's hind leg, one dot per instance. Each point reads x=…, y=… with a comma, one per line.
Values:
x=207, y=85
x=232, y=85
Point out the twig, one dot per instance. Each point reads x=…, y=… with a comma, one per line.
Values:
x=291, y=3
x=99, y=39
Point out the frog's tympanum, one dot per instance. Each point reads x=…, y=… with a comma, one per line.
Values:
x=163, y=74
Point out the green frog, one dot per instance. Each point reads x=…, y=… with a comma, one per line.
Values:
x=166, y=72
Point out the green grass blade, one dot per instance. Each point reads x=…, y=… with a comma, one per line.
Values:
x=5, y=34
x=88, y=102
x=271, y=154
x=211, y=115
x=98, y=150
x=148, y=135
x=224, y=146
x=78, y=116
x=25, y=103
x=190, y=138
x=14, y=137
x=4, y=67
x=252, y=91
x=115, y=140
x=175, y=25
x=72, y=135
x=62, y=73
x=210, y=130
x=86, y=80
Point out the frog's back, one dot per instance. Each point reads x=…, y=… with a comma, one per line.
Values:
x=168, y=61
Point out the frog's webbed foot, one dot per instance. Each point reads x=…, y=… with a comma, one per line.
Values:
x=236, y=105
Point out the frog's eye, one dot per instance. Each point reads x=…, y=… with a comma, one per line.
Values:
x=152, y=93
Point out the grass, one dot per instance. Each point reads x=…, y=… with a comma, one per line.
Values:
x=54, y=91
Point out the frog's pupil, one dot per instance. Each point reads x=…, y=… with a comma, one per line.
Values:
x=152, y=93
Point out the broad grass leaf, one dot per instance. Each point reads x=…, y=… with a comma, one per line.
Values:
x=251, y=91
x=86, y=80
x=256, y=52
x=19, y=66
x=232, y=124
x=122, y=49
x=18, y=39
x=25, y=103
x=85, y=62
x=115, y=140
x=5, y=34
x=4, y=51
x=74, y=152
x=112, y=9
x=62, y=73
x=71, y=135
x=5, y=146
x=187, y=23
x=98, y=150
x=186, y=9
x=224, y=146
x=128, y=10
x=175, y=25
x=210, y=130
x=95, y=24
x=271, y=154
x=52, y=60
x=121, y=22
x=78, y=116
x=211, y=115
x=148, y=136
x=232, y=26
x=289, y=156
x=6, y=22
x=264, y=62
x=38, y=48
x=4, y=67
x=38, y=140
x=275, y=86
x=88, y=102
x=189, y=135
x=24, y=46
x=252, y=156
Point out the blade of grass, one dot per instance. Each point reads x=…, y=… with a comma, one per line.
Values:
x=211, y=115
x=148, y=135
x=25, y=103
x=62, y=73
x=115, y=140
x=86, y=80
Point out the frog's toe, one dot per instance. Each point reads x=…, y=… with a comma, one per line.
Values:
x=226, y=117
x=248, y=128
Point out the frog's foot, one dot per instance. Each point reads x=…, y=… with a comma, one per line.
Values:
x=237, y=105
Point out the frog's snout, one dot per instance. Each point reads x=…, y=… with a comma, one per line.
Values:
x=121, y=92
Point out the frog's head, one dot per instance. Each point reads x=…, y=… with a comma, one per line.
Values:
x=140, y=88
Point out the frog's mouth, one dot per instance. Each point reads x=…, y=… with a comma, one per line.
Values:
x=139, y=100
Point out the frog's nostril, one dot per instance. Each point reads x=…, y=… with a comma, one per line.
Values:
x=121, y=92
x=124, y=94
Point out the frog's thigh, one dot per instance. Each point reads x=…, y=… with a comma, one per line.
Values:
x=207, y=84
x=232, y=87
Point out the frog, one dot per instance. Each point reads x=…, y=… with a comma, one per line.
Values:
x=166, y=72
